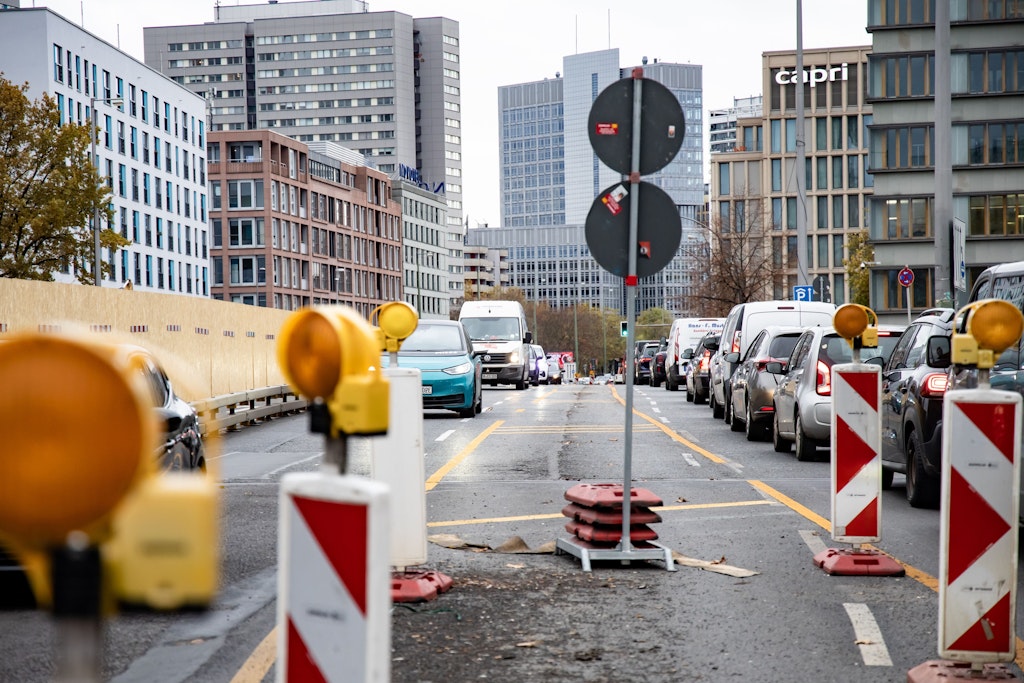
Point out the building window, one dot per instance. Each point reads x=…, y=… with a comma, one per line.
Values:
x=723, y=179
x=245, y=232
x=248, y=270
x=996, y=215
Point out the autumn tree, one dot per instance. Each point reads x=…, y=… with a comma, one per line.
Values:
x=733, y=260
x=859, y=252
x=49, y=192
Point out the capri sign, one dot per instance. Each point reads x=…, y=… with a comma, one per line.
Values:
x=815, y=75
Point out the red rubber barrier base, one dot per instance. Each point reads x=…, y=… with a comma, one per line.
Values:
x=848, y=562
x=418, y=586
x=610, y=496
x=942, y=671
x=600, y=533
x=637, y=515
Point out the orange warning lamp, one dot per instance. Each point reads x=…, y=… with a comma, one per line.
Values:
x=78, y=436
x=396, y=320
x=853, y=320
x=990, y=327
x=329, y=354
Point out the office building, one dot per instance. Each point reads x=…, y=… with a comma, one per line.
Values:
x=383, y=84
x=722, y=122
x=753, y=187
x=151, y=145
x=293, y=227
x=429, y=272
x=986, y=140
x=550, y=175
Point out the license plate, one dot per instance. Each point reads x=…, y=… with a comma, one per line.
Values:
x=489, y=375
x=427, y=390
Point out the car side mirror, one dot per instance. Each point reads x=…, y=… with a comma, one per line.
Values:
x=731, y=357
x=687, y=354
x=938, y=352
x=528, y=338
x=711, y=346
x=775, y=367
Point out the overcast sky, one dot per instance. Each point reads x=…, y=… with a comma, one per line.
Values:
x=504, y=43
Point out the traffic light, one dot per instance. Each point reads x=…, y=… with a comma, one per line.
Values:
x=624, y=328
x=331, y=356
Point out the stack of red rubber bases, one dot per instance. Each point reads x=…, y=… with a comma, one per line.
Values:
x=595, y=514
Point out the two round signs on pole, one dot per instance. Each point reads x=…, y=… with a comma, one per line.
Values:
x=659, y=229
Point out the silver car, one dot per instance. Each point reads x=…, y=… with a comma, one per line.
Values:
x=803, y=401
x=751, y=405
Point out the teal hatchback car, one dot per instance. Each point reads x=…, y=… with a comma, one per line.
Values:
x=443, y=353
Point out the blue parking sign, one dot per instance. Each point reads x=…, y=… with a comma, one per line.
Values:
x=803, y=293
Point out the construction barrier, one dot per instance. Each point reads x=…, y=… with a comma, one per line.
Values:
x=334, y=603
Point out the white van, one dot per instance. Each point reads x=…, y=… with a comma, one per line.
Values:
x=742, y=325
x=501, y=339
x=686, y=333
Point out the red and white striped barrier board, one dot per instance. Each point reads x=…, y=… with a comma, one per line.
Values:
x=334, y=590
x=981, y=431
x=856, y=453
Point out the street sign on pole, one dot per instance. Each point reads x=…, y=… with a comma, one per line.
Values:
x=959, y=255
x=803, y=293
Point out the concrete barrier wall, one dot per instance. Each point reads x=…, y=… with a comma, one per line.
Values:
x=208, y=347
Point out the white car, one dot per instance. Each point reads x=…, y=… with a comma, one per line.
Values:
x=554, y=368
x=542, y=364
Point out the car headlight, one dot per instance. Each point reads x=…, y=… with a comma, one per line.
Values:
x=460, y=369
x=513, y=357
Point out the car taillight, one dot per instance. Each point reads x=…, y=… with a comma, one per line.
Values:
x=704, y=360
x=824, y=379
x=736, y=342
x=934, y=384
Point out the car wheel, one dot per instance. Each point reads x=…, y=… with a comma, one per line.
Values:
x=717, y=411
x=805, y=448
x=698, y=397
x=467, y=412
x=778, y=443
x=922, y=489
x=687, y=393
x=887, y=476
x=751, y=430
x=735, y=424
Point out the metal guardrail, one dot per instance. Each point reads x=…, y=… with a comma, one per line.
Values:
x=228, y=411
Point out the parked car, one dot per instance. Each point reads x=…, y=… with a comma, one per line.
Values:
x=914, y=382
x=554, y=368
x=451, y=372
x=742, y=325
x=532, y=371
x=698, y=372
x=541, y=361
x=752, y=393
x=685, y=333
x=658, y=366
x=803, y=400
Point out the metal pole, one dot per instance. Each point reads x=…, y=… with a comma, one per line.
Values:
x=943, y=159
x=96, y=209
x=802, y=278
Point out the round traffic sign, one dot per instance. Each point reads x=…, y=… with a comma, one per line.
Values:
x=906, y=277
x=610, y=126
x=659, y=229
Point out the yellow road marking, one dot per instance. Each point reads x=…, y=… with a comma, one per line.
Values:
x=259, y=662
x=559, y=515
x=671, y=433
x=437, y=476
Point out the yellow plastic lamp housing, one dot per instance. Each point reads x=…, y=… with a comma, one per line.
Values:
x=850, y=320
x=331, y=353
x=996, y=324
x=79, y=433
x=396, y=320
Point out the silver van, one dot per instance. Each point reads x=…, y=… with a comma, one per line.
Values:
x=742, y=325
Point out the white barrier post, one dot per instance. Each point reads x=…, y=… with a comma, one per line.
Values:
x=397, y=460
x=334, y=607
x=856, y=465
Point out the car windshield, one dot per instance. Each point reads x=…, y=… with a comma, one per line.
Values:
x=434, y=339
x=492, y=329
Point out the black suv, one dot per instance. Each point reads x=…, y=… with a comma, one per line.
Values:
x=914, y=382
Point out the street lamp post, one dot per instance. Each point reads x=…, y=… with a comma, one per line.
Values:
x=115, y=101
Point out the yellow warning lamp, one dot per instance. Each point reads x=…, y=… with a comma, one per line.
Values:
x=853, y=320
x=396, y=320
x=330, y=354
x=990, y=327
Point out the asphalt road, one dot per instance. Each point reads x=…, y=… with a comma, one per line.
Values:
x=539, y=616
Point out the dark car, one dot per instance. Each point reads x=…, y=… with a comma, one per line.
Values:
x=658, y=368
x=751, y=406
x=698, y=372
x=644, y=356
x=914, y=382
